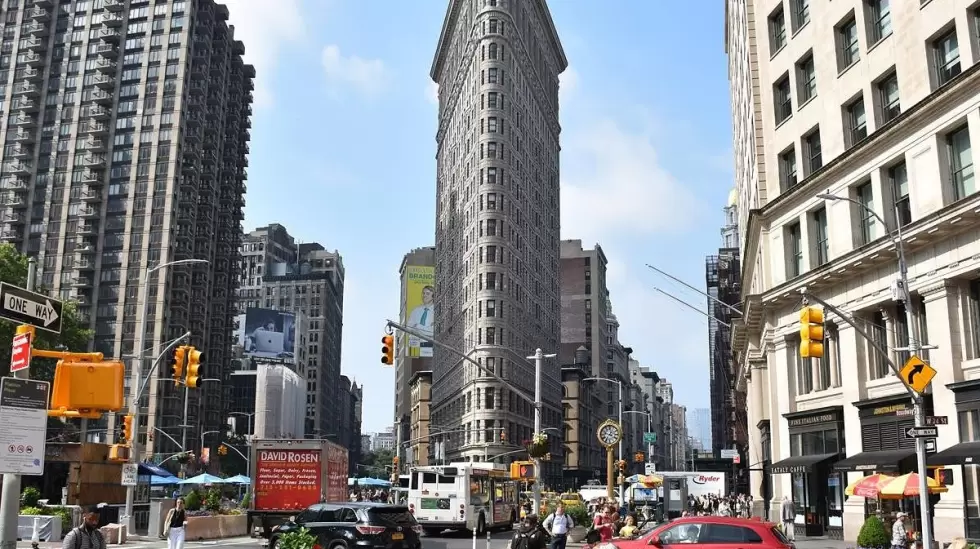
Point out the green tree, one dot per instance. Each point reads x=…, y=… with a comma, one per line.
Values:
x=376, y=463
x=74, y=336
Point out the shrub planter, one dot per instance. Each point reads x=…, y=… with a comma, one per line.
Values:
x=215, y=527
x=577, y=534
x=873, y=534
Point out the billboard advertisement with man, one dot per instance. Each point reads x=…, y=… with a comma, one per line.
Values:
x=267, y=333
x=420, y=315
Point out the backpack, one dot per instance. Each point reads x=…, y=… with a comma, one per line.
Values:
x=77, y=542
x=521, y=541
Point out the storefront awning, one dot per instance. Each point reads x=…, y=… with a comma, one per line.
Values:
x=964, y=453
x=883, y=461
x=800, y=464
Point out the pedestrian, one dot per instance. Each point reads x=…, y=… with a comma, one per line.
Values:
x=899, y=536
x=559, y=524
x=788, y=513
x=88, y=535
x=529, y=535
x=174, y=523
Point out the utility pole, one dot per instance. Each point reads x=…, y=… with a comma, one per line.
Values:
x=10, y=502
x=538, y=362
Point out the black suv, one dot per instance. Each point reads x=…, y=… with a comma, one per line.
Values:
x=355, y=526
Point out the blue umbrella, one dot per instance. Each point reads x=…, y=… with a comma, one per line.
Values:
x=203, y=478
x=237, y=479
x=151, y=469
x=163, y=481
x=368, y=482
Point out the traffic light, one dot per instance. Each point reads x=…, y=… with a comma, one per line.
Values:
x=180, y=358
x=522, y=470
x=394, y=462
x=119, y=453
x=621, y=464
x=811, y=332
x=503, y=436
x=128, y=429
x=388, y=349
x=222, y=450
x=943, y=476
x=638, y=457
x=194, y=358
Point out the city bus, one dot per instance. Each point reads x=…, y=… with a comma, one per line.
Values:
x=463, y=496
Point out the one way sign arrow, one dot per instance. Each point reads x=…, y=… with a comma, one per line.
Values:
x=26, y=307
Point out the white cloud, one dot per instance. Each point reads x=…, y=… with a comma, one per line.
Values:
x=365, y=75
x=613, y=184
x=265, y=27
x=432, y=93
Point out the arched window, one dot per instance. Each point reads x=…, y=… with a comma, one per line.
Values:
x=493, y=51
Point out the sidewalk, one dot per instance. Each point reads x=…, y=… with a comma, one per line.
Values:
x=143, y=542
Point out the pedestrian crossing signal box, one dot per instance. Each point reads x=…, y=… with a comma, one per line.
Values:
x=942, y=475
x=522, y=470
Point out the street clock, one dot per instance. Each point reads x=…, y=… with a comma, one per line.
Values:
x=609, y=433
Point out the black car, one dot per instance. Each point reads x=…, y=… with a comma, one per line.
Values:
x=355, y=525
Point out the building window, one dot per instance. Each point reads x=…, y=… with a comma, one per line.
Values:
x=865, y=196
x=974, y=315
x=888, y=98
x=777, y=30
x=960, y=162
x=821, y=238
x=946, y=57
x=899, y=177
x=801, y=13
x=969, y=425
x=877, y=365
x=794, y=251
x=783, y=99
x=787, y=169
x=848, y=51
x=813, y=152
x=879, y=20
x=856, y=122
x=806, y=79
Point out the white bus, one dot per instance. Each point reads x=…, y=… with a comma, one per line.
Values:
x=461, y=496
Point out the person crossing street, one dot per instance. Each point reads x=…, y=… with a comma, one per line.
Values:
x=558, y=524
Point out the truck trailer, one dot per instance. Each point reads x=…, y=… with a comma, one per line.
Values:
x=289, y=475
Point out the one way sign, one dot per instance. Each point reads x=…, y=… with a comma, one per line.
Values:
x=28, y=307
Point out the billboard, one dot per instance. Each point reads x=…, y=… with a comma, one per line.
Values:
x=267, y=333
x=420, y=315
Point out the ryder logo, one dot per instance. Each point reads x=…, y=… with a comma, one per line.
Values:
x=705, y=479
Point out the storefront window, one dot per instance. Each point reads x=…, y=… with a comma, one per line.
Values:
x=835, y=500
x=969, y=421
x=800, y=491
x=814, y=443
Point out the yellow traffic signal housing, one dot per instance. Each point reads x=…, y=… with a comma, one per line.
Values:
x=394, y=461
x=388, y=349
x=119, y=453
x=522, y=470
x=811, y=332
x=638, y=457
x=222, y=450
x=128, y=429
x=622, y=465
x=942, y=475
x=180, y=358
x=88, y=386
x=194, y=358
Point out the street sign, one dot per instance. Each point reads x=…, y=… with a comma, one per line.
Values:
x=28, y=307
x=24, y=416
x=937, y=420
x=729, y=454
x=649, y=438
x=649, y=468
x=917, y=374
x=737, y=459
x=20, y=352
x=130, y=474
x=921, y=432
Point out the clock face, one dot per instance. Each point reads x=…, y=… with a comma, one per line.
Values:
x=609, y=435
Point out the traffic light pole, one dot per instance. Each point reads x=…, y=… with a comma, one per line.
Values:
x=10, y=502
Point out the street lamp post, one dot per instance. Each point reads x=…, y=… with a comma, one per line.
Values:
x=620, y=448
x=134, y=404
x=538, y=357
x=249, y=432
x=913, y=347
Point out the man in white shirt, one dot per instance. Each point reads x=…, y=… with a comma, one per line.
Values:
x=558, y=524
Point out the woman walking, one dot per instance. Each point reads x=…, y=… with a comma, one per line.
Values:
x=176, y=521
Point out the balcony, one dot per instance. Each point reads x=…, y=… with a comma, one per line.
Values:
x=112, y=19
x=114, y=5
x=93, y=177
x=15, y=201
x=101, y=97
x=97, y=113
x=34, y=29
x=96, y=161
x=30, y=74
x=25, y=104
x=19, y=168
x=107, y=50
x=197, y=87
x=106, y=66
x=104, y=81
x=84, y=248
x=34, y=45
x=89, y=212
x=20, y=150
x=109, y=34
x=93, y=128
x=87, y=229
x=82, y=282
x=92, y=194
x=38, y=14
x=15, y=219
x=30, y=90
x=14, y=183
x=10, y=235
x=93, y=144
x=39, y=3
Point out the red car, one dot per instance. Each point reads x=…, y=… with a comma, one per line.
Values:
x=713, y=533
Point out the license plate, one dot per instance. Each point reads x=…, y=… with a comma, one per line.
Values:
x=397, y=535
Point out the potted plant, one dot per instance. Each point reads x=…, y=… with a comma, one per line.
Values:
x=537, y=447
x=185, y=458
x=297, y=539
x=873, y=534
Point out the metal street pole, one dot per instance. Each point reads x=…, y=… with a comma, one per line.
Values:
x=538, y=358
x=620, y=416
x=914, y=346
x=10, y=502
x=134, y=404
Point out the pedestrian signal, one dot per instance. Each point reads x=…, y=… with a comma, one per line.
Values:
x=522, y=470
x=388, y=349
x=222, y=450
x=180, y=358
x=128, y=429
x=638, y=457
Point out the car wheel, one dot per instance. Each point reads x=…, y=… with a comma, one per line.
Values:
x=338, y=545
x=274, y=543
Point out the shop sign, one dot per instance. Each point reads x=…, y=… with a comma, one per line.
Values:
x=812, y=420
x=784, y=469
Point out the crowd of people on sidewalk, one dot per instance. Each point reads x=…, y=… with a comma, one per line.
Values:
x=733, y=505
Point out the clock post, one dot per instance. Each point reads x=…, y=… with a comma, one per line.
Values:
x=609, y=433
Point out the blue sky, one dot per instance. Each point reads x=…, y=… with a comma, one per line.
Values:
x=343, y=153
